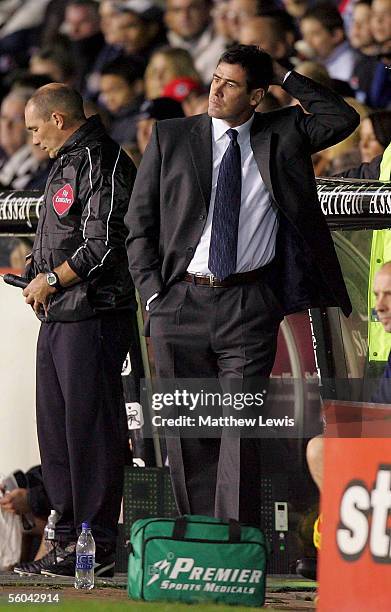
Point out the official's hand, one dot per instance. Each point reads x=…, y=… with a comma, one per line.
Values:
x=15, y=502
x=279, y=73
x=37, y=293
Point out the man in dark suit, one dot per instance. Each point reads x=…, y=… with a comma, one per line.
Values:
x=226, y=236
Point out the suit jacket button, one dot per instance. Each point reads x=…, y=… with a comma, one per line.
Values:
x=202, y=217
x=190, y=249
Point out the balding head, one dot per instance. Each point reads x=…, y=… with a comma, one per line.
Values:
x=382, y=291
x=57, y=97
x=53, y=113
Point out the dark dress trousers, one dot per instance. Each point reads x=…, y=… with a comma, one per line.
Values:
x=231, y=333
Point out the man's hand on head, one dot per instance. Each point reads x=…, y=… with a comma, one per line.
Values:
x=37, y=293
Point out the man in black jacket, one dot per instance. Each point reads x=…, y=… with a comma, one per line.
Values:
x=82, y=292
x=226, y=236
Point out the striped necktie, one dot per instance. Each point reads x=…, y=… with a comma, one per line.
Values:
x=224, y=235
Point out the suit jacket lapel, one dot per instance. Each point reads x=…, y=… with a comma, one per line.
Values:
x=260, y=139
x=200, y=141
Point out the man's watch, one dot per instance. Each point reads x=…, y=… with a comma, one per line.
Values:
x=53, y=280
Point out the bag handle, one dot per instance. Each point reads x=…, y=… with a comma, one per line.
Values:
x=179, y=531
x=234, y=531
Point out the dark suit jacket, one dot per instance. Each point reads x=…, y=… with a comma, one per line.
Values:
x=171, y=195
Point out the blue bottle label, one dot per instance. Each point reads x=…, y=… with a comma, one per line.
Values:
x=84, y=562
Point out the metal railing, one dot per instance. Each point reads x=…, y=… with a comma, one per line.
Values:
x=346, y=204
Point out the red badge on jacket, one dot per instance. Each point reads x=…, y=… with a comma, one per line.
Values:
x=63, y=199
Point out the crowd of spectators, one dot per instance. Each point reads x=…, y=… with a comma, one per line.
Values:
x=123, y=54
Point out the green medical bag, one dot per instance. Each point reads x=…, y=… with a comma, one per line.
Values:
x=197, y=558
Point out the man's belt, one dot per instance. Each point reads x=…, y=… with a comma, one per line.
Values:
x=243, y=278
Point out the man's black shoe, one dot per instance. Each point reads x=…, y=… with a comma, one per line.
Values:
x=35, y=567
x=307, y=567
x=104, y=564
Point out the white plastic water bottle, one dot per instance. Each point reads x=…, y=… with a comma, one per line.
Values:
x=50, y=530
x=85, y=559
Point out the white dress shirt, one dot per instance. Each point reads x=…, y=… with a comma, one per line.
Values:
x=258, y=219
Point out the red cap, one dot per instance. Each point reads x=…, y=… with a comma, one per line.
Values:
x=180, y=88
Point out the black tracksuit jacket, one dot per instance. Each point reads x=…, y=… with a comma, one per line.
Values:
x=81, y=221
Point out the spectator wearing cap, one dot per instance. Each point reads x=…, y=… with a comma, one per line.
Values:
x=82, y=27
x=166, y=64
x=190, y=27
x=152, y=111
x=186, y=91
x=121, y=89
x=138, y=28
x=323, y=30
x=180, y=89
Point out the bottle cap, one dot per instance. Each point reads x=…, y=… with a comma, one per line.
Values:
x=85, y=526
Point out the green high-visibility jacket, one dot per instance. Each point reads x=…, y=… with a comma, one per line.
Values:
x=379, y=341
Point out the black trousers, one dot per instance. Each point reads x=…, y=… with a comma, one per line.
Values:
x=229, y=333
x=81, y=420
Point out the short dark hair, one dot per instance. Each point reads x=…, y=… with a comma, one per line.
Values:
x=60, y=97
x=327, y=14
x=256, y=62
x=129, y=70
